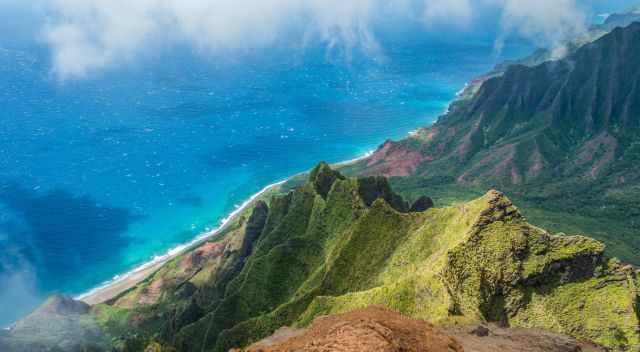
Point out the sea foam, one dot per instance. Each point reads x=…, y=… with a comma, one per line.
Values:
x=182, y=247
x=203, y=236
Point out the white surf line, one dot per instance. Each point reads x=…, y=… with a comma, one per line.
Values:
x=175, y=251
x=461, y=91
x=354, y=160
x=179, y=249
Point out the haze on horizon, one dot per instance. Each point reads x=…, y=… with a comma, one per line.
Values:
x=84, y=39
x=87, y=37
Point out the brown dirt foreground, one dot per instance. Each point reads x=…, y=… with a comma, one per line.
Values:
x=378, y=329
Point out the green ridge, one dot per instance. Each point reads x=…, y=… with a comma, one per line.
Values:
x=559, y=137
x=323, y=253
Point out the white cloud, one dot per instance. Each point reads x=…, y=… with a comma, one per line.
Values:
x=17, y=292
x=456, y=11
x=17, y=282
x=546, y=22
x=87, y=36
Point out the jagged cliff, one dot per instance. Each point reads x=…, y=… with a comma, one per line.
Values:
x=563, y=132
x=562, y=136
x=338, y=244
x=560, y=51
x=574, y=117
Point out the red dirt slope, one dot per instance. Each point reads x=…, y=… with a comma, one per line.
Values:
x=379, y=329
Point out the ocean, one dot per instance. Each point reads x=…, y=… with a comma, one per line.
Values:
x=99, y=175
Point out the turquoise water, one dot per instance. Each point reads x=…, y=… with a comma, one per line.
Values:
x=101, y=174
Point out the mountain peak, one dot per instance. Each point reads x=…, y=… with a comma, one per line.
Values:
x=471, y=263
x=575, y=119
x=323, y=177
x=499, y=208
x=63, y=305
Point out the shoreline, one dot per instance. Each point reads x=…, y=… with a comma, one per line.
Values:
x=123, y=282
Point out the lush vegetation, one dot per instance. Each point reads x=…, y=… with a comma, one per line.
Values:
x=326, y=248
x=605, y=213
x=560, y=138
x=548, y=135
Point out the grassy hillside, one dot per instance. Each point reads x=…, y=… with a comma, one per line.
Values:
x=560, y=138
x=336, y=244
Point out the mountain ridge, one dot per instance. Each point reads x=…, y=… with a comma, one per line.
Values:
x=332, y=244
x=561, y=135
x=309, y=253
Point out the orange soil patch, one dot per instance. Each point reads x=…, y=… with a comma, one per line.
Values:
x=537, y=164
x=604, y=144
x=379, y=329
x=207, y=250
x=394, y=159
x=370, y=329
x=151, y=294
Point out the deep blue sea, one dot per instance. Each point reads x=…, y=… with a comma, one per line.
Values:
x=101, y=174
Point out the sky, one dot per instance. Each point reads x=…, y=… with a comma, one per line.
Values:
x=88, y=37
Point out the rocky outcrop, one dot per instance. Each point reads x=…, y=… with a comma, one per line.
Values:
x=379, y=329
x=314, y=254
x=364, y=330
x=372, y=188
x=559, y=135
x=421, y=204
x=323, y=177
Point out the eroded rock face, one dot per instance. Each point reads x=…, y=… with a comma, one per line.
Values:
x=372, y=188
x=421, y=204
x=394, y=159
x=313, y=255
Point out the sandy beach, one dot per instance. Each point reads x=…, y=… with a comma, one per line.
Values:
x=130, y=279
x=126, y=281
x=113, y=289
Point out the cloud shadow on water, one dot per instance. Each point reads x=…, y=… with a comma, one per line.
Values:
x=51, y=242
x=192, y=200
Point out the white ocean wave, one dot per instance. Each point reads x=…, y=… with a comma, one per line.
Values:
x=203, y=236
x=183, y=247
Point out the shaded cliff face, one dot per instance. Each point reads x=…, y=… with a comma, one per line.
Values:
x=590, y=92
x=543, y=55
x=576, y=116
x=562, y=135
x=337, y=244
x=620, y=19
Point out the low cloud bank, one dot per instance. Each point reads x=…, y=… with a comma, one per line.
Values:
x=89, y=36
x=17, y=286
